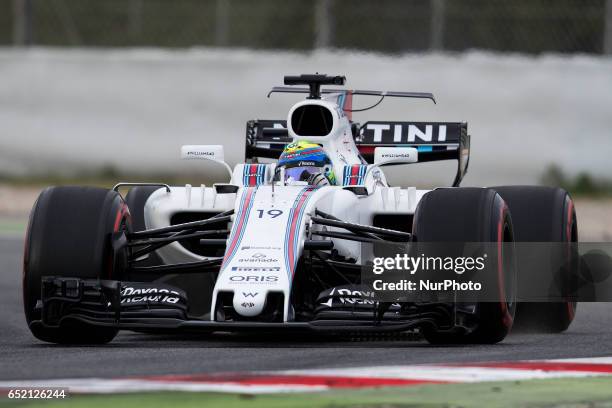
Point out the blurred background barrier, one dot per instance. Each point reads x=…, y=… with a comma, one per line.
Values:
x=93, y=91
x=126, y=112
x=388, y=26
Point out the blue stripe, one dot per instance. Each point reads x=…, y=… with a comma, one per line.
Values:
x=347, y=171
x=424, y=148
x=359, y=178
x=260, y=172
x=298, y=224
x=362, y=172
x=286, y=250
x=288, y=230
x=246, y=221
x=238, y=216
x=241, y=210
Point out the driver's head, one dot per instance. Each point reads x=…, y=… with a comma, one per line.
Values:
x=306, y=161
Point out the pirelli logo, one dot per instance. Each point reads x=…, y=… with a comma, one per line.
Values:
x=255, y=268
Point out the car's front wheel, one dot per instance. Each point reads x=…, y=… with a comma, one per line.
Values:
x=472, y=215
x=69, y=235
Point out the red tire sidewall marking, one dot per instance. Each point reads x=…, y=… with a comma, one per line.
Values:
x=568, y=236
x=506, y=316
x=122, y=213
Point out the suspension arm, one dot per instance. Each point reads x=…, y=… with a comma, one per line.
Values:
x=382, y=232
x=347, y=236
x=207, y=265
x=173, y=238
x=190, y=226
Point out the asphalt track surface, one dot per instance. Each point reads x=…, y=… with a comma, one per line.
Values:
x=134, y=354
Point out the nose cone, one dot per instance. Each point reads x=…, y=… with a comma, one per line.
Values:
x=249, y=304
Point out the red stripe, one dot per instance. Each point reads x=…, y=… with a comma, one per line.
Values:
x=292, y=237
x=547, y=366
x=354, y=177
x=319, y=380
x=253, y=175
x=366, y=149
x=348, y=105
x=240, y=225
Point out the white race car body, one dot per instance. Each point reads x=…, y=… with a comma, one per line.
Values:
x=266, y=252
x=270, y=218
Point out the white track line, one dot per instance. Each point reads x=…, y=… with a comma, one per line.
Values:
x=590, y=360
x=443, y=373
x=110, y=386
x=325, y=379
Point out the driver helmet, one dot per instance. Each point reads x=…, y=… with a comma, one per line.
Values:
x=307, y=161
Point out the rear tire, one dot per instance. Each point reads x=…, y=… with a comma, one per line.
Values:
x=69, y=235
x=470, y=215
x=542, y=214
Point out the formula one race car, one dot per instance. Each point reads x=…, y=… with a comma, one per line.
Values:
x=282, y=245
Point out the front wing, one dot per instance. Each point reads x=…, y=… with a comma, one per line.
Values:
x=140, y=306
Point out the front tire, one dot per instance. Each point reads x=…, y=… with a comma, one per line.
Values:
x=471, y=215
x=69, y=235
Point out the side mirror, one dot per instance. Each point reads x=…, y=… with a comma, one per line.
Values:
x=205, y=152
x=399, y=155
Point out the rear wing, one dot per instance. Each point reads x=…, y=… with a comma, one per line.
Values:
x=434, y=140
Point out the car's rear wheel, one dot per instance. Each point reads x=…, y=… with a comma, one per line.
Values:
x=543, y=214
x=69, y=235
x=472, y=215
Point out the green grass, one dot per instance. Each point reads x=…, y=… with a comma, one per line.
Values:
x=567, y=393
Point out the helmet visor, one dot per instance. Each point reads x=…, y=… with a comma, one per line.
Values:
x=302, y=173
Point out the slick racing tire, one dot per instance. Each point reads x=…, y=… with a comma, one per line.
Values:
x=543, y=214
x=69, y=235
x=136, y=199
x=472, y=215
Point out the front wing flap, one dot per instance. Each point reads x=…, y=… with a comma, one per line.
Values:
x=143, y=306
